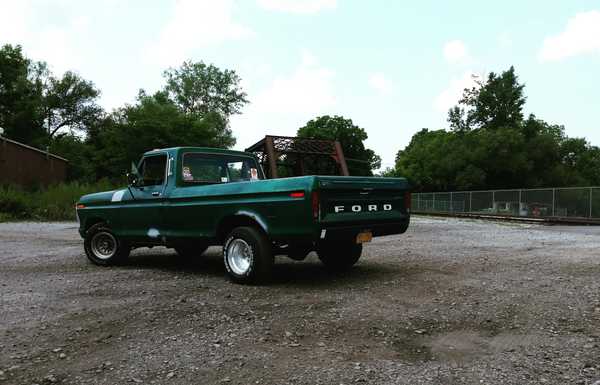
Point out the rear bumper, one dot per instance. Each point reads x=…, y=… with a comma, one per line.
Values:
x=345, y=231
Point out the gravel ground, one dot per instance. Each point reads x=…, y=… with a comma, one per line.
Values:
x=449, y=302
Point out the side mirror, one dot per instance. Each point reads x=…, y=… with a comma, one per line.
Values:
x=133, y=177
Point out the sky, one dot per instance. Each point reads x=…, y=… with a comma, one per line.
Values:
x=393, y=67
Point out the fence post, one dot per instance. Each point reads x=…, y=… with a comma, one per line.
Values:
x=470, y=201
x=451, y=204
x=520, y=199
x=493, y=201
x=590, y=202
x=553, y=200
x=433, y=202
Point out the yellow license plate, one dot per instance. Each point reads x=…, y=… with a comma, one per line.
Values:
x=364, y=237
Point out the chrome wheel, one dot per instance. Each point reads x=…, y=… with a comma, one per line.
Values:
x=104, y=245
x=239, y=256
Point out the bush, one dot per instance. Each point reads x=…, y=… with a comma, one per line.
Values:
x=14, y=202
x=54, y=203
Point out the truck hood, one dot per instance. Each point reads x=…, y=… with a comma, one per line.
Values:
x=98, y=198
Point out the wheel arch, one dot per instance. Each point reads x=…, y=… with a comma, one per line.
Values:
x=92, y=221
x=228, y=223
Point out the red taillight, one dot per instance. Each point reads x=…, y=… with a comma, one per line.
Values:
x=80, y=206
x=407, y=200
x=316, y=207
x=297, y=194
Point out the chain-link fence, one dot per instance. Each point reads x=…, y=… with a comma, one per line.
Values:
x=566, y=202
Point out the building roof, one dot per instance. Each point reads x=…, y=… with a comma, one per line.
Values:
x=5, y=139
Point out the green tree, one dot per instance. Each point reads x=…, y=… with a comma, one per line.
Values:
x=492, y=145
x=361, y=160
x=155, y=121
x=35, y=105
x=193, y=109
x=79, y=153
x=422, y=161
x=198, y=88
x=20, y=96
x=497, y=102
x=69, y=102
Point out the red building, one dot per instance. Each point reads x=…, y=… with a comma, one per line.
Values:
x=24, y=165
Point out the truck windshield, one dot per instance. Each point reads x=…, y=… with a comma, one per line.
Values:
x=215, y=168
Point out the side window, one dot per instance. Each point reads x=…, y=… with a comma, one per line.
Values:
x=198, y=169
x=153, y=170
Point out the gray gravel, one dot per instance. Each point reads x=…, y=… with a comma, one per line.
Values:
x=450, y=302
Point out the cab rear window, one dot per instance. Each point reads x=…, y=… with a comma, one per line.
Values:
x=211, y=169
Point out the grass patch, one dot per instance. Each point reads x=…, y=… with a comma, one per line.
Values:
x=54, y=203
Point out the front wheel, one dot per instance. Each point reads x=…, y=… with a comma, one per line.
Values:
x=339, y=256
x=248, y=256
x=102, y=246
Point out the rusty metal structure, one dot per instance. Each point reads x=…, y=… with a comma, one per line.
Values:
x=276, y=152
x=24, y=165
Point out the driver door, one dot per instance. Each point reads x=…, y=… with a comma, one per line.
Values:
x=144, y=217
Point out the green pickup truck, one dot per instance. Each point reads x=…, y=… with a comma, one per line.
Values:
x=190, y=198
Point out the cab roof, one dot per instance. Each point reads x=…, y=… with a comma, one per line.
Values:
x=198, y=149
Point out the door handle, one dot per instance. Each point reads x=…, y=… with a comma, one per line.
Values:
x=155, y=194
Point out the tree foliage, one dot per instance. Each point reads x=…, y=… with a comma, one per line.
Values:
x=35, y=104
x=192, y=109
x=69, y=102
x=62, y=113
x=361, y=160
x=198, y=88
x=20, y=96
x=491, y=145
x=154, y=121
x=495, y=103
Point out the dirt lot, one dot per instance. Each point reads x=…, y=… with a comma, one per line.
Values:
x=451, y=301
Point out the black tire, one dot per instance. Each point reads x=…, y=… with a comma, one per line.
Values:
x=258, y=255
x=103, y=247
x=339, y=256
x=192, y=250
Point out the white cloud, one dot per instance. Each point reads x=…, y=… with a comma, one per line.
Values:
x=297, y=6
x=380, y=83
x=287, y=102
x=195, y=24
x=56, y=47
x=581, y=36
x=455, y=51
x=14, y=17
x=308, y=89
x=22, y=22
x=449, y=97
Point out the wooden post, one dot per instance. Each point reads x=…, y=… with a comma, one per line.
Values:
x=3, y=153
x=270, y=147
x=340, y=156
x=301, y=167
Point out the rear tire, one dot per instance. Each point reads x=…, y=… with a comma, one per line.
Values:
x=248, y=256
x=103, y=247
x=339, y=256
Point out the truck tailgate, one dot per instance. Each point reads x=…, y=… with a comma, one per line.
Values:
x=362, y=200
